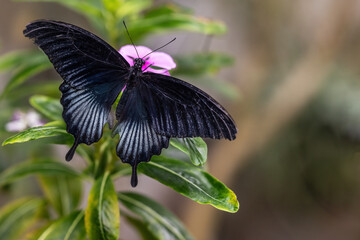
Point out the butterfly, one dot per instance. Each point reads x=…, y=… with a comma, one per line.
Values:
x=152, y=109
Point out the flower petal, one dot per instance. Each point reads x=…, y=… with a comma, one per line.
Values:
x=15, y=126
x=17, y=115
x=159, y=71
x=33, y=119
x=127, y=52
x=146, y=65
x=163, y=60
x=142, y=50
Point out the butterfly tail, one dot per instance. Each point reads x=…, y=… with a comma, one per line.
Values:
x=138, y=142
x=71, y=152
x=134, y=178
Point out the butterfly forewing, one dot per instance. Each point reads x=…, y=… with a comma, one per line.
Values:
x=179, y=109
x=93, y=72
x=69, y=47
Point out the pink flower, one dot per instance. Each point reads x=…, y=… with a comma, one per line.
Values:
x=160, y=60
x=20, y=121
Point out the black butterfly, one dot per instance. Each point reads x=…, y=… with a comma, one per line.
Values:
x=152, y=109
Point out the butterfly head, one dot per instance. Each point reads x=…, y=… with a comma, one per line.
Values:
x=138, y=63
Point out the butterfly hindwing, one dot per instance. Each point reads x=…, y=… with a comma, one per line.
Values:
x=156, y=107
x=138, y=140
x=86, y=111
x=179, y=109
x=93, y=72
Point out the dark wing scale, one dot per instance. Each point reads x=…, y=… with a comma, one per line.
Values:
x=86, y=111
x=68, y=44
x=93, y=72
x=179, y=109
x=138, y=140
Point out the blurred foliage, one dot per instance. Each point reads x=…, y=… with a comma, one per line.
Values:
x=60, y=184
x=315, y=159
x=70, y=227
x=198, y=64
x=155, y=218
x=308, y=173
x=22, y=68
x=20, y=215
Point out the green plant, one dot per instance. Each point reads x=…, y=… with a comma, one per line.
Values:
x=56, y=214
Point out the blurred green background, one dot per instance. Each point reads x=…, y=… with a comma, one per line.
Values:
x=295, y=163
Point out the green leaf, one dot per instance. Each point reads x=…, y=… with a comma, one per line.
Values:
x=71, y=227
x=121, y=9
x=121, y=170
x=102, y=212
x=35, y=232
x=87, y=8
x=141, y=227
x=133, y=7
x=10, y=60
x=49, y=87
x=43, y=167
x=17, y=217
x=173, y=20
x=24, y=72
x=14, y=59
x=202, y=63
x=191, y=182
x=195, y=148
x=50, y=107
x=54, y=132
x=63, y=192
x=48, y=130
x=159, y=221
x=167, y=9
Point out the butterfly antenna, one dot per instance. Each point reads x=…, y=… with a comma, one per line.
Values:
x=159, y=48
x=147, y=67
x=131, y=39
